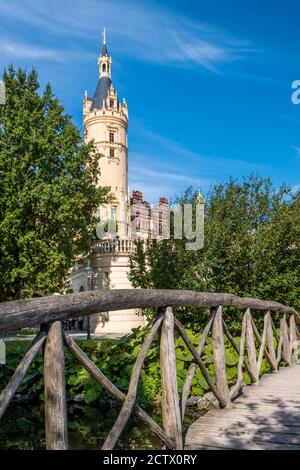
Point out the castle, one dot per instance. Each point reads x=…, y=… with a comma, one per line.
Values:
x=105, y=121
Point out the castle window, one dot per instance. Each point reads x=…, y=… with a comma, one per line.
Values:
x=103, y=67
x=111, y=103
x=111, y=152
x=111, y=137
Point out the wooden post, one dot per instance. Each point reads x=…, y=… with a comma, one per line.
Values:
x=259, y=339
x=193, y=367
x=200, y=363
x=240, y=377
x=110, y=388
x=251, y=347
x=170, y=398
x=286, y=349
x=55, y=390
x=270, y=339
x=262, y=350
x=219, y=357
x=234, y=345
x=130, y=400
x=293, y=334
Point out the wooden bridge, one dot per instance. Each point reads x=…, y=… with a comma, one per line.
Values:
x=262, y=416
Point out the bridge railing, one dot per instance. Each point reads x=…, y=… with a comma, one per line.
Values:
x=276, y=345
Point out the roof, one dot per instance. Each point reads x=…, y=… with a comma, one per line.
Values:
x=101, y=92
x=104, y=52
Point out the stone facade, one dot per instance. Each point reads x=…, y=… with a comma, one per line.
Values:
x=105, y=121
x=148, y=220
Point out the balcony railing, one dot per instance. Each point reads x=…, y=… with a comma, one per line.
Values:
x=125, y=246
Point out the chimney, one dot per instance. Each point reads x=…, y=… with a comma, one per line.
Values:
x=163, y=201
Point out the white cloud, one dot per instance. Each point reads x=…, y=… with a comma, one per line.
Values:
x=151, y=192
x=297, y=149
x=155, y=183
x=146, y=31
x=27, y=51
x=146, y=172
x=156, y=179
x=10, y=49
x=159, y=162
x=181, y=155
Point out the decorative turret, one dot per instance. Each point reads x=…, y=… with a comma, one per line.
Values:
x=104, y=60
x=106, y=121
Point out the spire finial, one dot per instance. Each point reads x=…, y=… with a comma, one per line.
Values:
x=104, y=36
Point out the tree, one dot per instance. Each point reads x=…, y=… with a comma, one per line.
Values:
x=49, y=190
x=278, y=255
x=251, y=246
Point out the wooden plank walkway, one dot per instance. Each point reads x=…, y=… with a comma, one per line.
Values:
x=266, y=416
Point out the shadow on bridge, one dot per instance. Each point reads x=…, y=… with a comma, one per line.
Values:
x=266, y=417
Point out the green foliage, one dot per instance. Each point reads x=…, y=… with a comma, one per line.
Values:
x=251, y=248
x=32, y=384
x=48, y=189
x=116, y=359
x=23, y=428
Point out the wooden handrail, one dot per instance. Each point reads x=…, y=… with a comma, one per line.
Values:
x=32, y=312
x=49, y=313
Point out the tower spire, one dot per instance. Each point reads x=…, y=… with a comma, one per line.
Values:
x=104, y=52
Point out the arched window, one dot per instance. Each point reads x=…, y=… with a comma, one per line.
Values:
x=104, y=67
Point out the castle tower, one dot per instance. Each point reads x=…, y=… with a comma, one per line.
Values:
x=105, y=121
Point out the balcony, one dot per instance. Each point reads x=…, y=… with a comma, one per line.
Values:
x=125, y=246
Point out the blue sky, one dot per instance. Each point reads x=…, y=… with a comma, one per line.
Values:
x=207, y=82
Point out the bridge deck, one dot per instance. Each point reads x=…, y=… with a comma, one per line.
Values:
x=266, y=416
